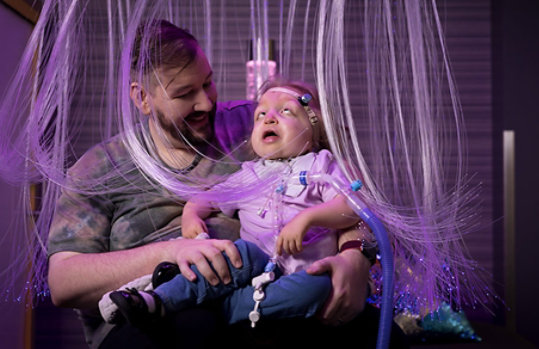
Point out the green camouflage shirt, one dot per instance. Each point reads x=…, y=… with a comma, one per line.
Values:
x=139, y=212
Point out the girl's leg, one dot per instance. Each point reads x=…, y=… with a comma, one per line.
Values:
x=180, y=293
x=294, y=295
x=139, y=307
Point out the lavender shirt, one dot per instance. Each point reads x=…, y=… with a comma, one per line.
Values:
x=271, y=196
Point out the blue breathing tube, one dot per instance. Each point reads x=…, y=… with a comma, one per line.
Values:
x=386, y=252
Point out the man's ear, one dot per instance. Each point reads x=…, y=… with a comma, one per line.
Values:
x=140, y=98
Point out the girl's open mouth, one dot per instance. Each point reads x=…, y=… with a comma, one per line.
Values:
x=270, y=136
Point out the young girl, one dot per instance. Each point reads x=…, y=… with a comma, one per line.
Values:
x=283, y=220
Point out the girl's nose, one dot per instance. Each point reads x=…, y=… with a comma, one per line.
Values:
x=270, y=117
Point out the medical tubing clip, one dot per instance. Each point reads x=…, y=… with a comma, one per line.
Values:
x=259, y=282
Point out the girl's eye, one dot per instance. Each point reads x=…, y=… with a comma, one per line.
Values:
x=287, y=111
x=260, y=115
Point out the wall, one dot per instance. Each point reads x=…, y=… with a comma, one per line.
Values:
x=516, y=92
x=14, y=32
x=494, y=49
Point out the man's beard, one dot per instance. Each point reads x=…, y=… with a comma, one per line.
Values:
x=183, y=136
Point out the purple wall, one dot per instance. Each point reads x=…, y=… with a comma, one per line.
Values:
x=515, y=96
x=14, y=32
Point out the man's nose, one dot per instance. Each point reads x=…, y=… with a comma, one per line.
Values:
x=203, y=101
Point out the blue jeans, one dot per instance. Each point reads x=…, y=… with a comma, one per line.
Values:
x=290, y=296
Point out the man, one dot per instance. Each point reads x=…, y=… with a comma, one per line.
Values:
x=100, y=241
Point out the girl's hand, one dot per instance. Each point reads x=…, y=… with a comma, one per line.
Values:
x=290, y=238
x=192, y=226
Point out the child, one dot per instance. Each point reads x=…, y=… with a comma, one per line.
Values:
x=287, y=220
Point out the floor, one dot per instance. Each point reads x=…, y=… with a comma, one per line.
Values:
x=60, y=328
x=493, y=337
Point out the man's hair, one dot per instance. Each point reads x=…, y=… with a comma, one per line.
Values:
x=160, y=43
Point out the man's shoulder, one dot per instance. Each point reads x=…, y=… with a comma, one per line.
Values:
x=233, y=124
x=236, y=105
x=235, y=112
x=112, y=148
x=102, y=157
x=234, y=116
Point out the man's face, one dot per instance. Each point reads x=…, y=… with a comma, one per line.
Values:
x=183, y=99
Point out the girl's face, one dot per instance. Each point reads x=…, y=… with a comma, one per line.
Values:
x=281, y=127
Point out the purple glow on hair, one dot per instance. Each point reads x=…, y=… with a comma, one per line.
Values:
x=411, y=112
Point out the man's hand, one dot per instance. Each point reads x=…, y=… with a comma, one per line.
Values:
x=207, y=256
x=349, y=276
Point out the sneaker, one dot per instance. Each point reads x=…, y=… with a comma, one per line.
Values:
x=133, y=306
x=164, y=272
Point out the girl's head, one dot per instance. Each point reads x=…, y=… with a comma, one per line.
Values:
x=286, y=124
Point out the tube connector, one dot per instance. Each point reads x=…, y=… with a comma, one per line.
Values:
x=357, y=205
x=356, y=185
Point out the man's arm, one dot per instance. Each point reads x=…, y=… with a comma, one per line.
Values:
x=78, y=280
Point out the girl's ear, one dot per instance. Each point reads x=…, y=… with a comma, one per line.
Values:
x=140, y=98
